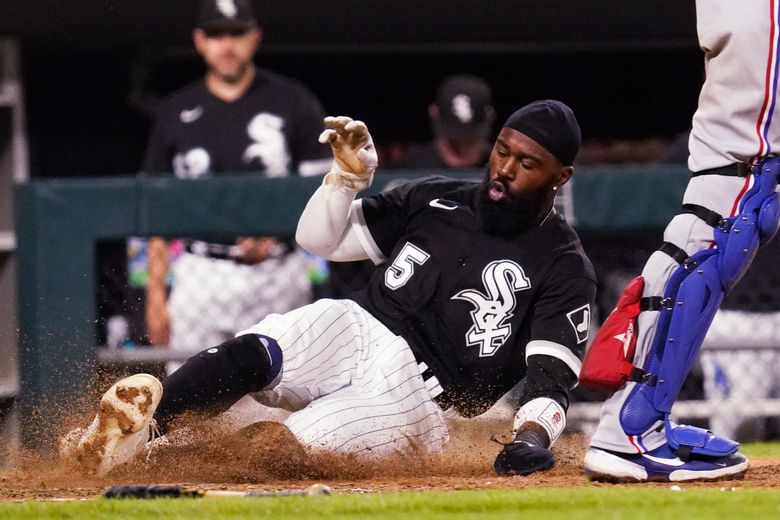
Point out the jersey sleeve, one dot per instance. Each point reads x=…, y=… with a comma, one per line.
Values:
x=562, y=314
x=379, y=220
x=158, y=157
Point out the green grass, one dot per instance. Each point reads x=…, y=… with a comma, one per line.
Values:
x=761, y=449
x=608, y=502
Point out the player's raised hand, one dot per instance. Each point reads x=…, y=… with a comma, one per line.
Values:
x=354, y=154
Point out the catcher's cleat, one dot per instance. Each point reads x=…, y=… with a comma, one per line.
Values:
x=662, y=464
x=121, y=428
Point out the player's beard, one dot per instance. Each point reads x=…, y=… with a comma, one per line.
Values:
x=234, y=74
x=512, y=215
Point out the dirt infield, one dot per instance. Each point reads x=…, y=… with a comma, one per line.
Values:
x=259, y=459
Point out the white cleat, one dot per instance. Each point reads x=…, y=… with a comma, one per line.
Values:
x=120, y=429
x=662, y=464
x=69, y=443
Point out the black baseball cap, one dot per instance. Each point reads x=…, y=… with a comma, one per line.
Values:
x=235, y=16
x=552, y=124
x=465, y=107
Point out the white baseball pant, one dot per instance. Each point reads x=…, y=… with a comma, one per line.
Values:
x=353, y=385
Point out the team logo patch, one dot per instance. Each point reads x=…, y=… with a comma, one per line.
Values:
x=269, y=144
x=494, y=308
x=227, y=8
x=462, y=109
x=580, y=321
x=552, y=418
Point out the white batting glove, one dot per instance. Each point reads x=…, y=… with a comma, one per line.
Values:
x=354, y=154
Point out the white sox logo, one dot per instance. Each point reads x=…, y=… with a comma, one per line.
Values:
x=502, y=279
x=227, y=8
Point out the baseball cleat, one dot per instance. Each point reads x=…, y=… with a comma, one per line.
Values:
x=121, y=428
x=663, y=465
x=69, y=442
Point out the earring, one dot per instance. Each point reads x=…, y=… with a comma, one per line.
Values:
x=555, y=188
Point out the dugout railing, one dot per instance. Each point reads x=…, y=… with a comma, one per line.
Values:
x=60, y=223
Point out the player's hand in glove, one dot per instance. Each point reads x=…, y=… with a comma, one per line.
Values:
x=526, y=454
x=354, y=154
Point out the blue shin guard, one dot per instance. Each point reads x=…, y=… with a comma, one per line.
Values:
x=692, y=297
x=641, y=410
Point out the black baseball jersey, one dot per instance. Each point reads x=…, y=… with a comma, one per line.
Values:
x=473, y=305
x=270, y=130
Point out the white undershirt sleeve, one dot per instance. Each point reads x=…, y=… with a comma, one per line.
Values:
x=324, y=227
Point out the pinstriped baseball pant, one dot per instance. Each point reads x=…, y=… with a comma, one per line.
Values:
x=353, y=385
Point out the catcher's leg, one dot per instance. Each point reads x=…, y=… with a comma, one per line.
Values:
x=691, y=297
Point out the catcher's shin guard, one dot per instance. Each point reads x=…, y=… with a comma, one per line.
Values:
x=692, y=297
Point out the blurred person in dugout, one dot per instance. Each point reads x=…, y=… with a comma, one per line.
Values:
x=462, y=120
x=238, y=119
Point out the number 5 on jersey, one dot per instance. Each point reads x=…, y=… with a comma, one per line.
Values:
x=402, y=268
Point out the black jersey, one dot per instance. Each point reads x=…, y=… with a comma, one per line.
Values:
x=271, y=129
x=471, y=305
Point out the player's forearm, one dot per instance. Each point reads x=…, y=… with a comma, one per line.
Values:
x=324, y=227
x=157, y=250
